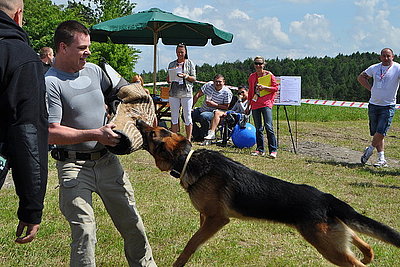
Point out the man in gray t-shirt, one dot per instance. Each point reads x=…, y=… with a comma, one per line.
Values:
x=77, y=125
x=75, y=101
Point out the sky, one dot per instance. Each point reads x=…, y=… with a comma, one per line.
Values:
x=280, y=29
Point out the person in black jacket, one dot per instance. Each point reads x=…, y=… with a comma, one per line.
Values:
x=23, y=118
x=46, y=55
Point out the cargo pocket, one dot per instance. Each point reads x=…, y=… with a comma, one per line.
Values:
x=68, y=174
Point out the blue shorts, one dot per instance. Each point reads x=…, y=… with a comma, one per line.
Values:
x=380, y=118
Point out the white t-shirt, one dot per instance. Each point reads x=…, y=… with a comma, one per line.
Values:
x=386, y=83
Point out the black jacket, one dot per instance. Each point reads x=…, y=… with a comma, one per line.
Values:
x=23, y=118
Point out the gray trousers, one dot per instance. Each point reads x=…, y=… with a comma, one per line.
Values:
x=78, y=180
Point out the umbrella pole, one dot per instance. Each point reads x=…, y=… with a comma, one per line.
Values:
x=155, y=62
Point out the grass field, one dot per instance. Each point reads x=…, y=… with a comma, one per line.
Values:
x=170, y=219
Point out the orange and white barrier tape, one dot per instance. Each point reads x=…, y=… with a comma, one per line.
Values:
x=338, y=103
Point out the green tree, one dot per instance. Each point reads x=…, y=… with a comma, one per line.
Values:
x=111, y=9
x=121, y=57
x=86, y=13
x=42, y=18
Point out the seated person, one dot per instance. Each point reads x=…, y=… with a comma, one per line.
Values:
x=239, y=107
x=218, y=97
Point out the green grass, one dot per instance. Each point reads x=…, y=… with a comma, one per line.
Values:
x=171, y=220
x=320, y=113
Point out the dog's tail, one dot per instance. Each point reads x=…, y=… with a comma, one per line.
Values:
x=363, y=224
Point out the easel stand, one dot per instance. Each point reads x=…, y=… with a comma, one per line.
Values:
x=289, y=127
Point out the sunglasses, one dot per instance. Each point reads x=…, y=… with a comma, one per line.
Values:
x=241, y=93
x=258, y=63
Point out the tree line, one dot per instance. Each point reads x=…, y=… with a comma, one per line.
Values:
x=330, y=78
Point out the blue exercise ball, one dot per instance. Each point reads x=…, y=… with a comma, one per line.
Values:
x=244, y=137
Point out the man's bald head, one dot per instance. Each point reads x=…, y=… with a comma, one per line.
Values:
x=13, y=8
x=10, y=6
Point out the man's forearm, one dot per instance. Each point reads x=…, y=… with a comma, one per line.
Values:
x=363, y=80
x=62, y=135
x=222, y=106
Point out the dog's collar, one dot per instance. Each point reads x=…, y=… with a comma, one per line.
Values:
x=175, y=173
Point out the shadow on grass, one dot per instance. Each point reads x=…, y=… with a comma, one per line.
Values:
x=350, y=165
x=373, y=170
x=366, y=168
x=371, y=185
x=383, y=171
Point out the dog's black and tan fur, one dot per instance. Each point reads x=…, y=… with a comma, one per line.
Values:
x=220, y=188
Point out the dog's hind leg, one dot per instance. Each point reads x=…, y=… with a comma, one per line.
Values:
x=333, y=242
x=210, y=226
x=364, y=247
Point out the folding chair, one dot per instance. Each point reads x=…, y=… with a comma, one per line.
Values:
x=228, y=123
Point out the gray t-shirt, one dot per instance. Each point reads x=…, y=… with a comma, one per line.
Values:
x=76, y=100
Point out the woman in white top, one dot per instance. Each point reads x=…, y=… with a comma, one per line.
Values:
x=181, y=89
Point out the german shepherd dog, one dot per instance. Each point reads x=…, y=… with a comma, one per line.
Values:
x=221, y=188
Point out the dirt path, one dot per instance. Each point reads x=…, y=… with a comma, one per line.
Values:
x=339, y=155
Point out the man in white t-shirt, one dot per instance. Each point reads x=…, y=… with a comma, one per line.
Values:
x=381, y=108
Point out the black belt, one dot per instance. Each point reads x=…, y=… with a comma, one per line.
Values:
x=62, y=154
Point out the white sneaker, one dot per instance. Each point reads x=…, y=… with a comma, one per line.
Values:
x=206, y=142
x=273, y=155
x=381, y=163
x=257, y=153
x=367, y=154
x=210, y=135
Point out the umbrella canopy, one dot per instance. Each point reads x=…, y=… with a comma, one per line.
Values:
x=147, y=27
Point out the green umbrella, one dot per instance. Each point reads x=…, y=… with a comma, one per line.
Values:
x=148, y=26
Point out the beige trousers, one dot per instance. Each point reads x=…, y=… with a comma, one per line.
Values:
x=78, y=180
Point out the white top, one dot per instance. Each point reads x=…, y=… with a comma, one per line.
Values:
x=386, y=83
